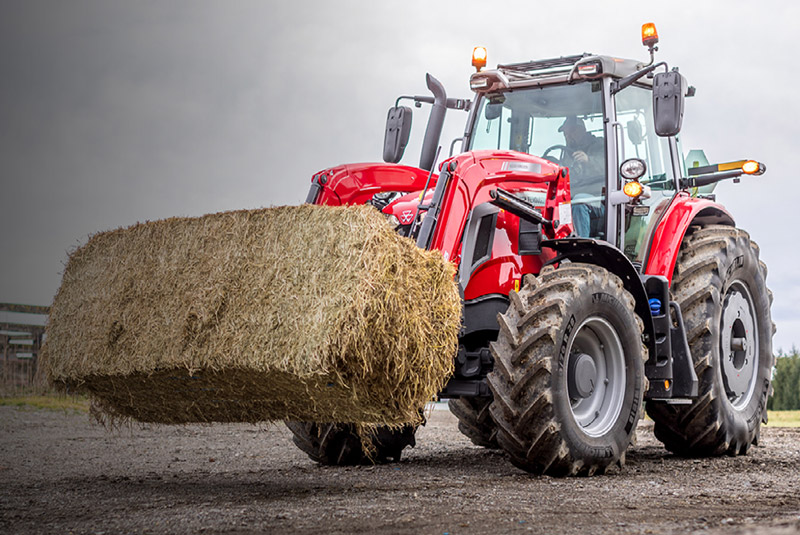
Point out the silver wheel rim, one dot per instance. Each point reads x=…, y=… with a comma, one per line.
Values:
x=738, y=346
x=595, y=376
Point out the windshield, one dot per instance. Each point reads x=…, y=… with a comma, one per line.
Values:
x=562, y=123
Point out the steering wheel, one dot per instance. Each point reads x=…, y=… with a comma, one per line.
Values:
x=562, y=148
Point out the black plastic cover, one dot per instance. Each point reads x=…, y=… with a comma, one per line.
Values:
x=313, y=192
x=530, y=237
x=685, y=378
x=668, y=103
x=478, y=240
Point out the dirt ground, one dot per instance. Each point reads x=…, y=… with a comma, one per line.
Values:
x=60, y=473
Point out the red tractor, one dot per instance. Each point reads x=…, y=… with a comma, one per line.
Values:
x=597, y=271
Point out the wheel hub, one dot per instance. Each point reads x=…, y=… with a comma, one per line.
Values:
x=582, y=376
x=738, y=345
x=596, y=376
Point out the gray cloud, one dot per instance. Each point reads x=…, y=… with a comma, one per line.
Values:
x=116, y=112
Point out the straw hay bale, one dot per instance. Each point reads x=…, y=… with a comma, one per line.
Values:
x=308, y=313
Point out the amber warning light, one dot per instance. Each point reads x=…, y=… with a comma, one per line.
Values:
x=633, y=189
x=479, y=58
x=752, y=167
x=649, y=34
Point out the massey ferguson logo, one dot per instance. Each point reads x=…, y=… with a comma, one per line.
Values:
x=406, y=217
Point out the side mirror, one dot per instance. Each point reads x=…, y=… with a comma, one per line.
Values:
x=635, y=134
x=668, y=103
x=398, y=128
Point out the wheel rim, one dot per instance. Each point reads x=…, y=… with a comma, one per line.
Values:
x=595, y=376
x=738, y=346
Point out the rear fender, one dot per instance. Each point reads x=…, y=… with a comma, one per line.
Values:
x=683, y=212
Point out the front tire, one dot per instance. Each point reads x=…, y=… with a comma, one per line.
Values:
x=340, y=444
x=474, y=420
x=568, y=376
x=720, y=286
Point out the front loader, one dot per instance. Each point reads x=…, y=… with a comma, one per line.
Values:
x=597, y=270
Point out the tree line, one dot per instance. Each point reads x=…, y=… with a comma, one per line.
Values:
x=786, y=382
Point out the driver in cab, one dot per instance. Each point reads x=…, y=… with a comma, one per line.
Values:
x=585, y=157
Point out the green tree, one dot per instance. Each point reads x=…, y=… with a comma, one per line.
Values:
x=786, y=382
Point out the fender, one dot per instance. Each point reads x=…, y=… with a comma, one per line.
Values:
x=683, y=211
x=605, y=255
x=357, y=183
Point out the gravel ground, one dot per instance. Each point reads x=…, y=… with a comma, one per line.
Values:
x=60, y=473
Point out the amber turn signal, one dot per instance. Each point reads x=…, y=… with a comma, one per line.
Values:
x=751, y=167
x=633, y=189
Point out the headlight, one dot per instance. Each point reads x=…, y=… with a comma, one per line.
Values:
x=633, y=168
x=393, y=221
x=382, y=199
x=383, y=195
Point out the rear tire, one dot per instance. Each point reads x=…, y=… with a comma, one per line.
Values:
x=568, y=375
x=474, y=420
x=340, y=445
x=720, y=285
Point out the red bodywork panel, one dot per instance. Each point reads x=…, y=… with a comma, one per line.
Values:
x=479, y=172
x=499, y=274
x=405, y=208
x=476, y=173
x=672, y=228
x=357, y=183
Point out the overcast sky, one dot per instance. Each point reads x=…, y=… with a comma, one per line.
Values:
x=118, y=112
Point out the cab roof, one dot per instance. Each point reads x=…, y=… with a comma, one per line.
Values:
x=558, y=70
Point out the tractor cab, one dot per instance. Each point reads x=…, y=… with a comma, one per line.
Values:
x=586, y=113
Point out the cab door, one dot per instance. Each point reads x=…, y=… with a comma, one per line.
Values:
x=637, y=139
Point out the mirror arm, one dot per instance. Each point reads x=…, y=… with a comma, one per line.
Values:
x=705, y=180
x=452, y=103
x=418, y=100
x=622, y=83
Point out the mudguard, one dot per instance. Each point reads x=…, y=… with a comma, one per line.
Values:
x=682, y=212
x=605, y=255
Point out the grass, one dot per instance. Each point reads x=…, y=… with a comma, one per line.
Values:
x=784, y=419
x=53, y=402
